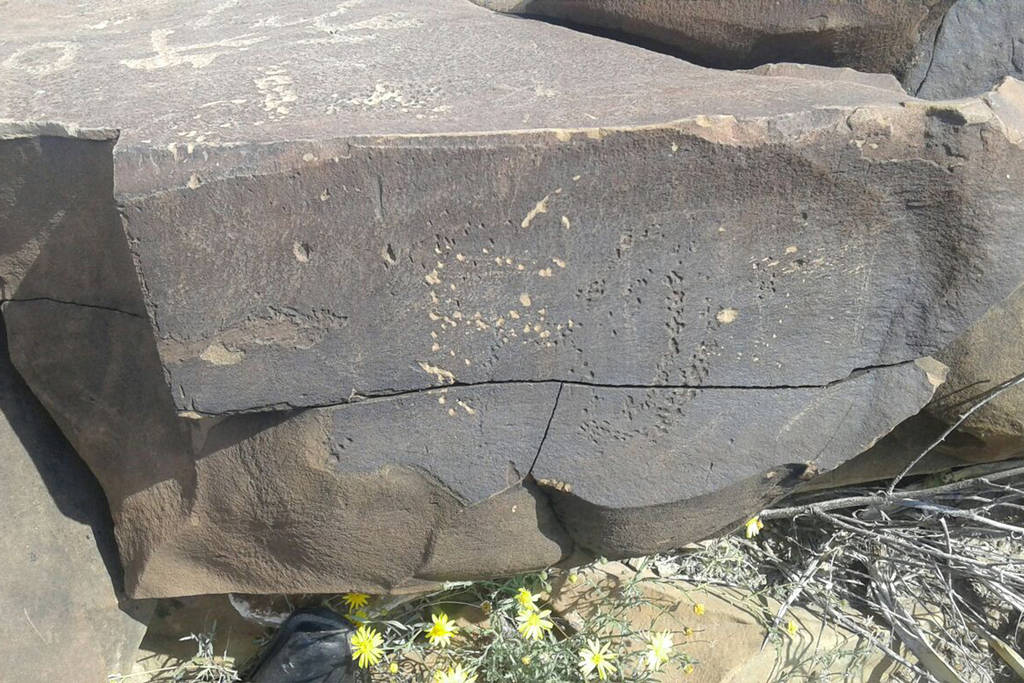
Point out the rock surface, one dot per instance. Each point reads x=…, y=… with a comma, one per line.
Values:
x=61, y=619
x=989, y=353
x=884, y=36
x=362, y=313
x=979, y=42
x=939, y=49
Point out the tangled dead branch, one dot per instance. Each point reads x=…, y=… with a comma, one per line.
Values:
x=930, y=573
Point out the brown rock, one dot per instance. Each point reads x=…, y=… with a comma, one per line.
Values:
x=989, y=353
x=886, y=36
x=62, y=617
x=337, y=297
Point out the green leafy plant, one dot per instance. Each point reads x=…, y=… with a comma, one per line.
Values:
x=518, y=637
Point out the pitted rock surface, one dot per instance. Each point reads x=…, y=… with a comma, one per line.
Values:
x=347, y=281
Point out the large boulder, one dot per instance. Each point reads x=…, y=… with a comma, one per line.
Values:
x=354, y=304
x=884, y=36
x=62, y=617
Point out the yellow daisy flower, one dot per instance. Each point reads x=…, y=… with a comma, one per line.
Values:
x=596, y=657
x=574, y=577
x=791, y=627
x=456, y=675
x=441, y=631
x=688, y=632
x=659, y=650
x=534, y=624
x=366, y=646
x=698, y=608
x=754, y=526
x=526, y=599
x=393, y=667
x=688, y=669
x=355, y=600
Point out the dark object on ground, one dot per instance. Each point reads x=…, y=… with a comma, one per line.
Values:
x=311, y=647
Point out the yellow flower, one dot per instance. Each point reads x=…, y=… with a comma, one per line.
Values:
x=393, y=667
x=754, y=526
x=526, y=660
x=366, y=646
x=574, y=577
x=698, y=608
x=533, y=624
x=660, y=649
x=456, y=675
x=355, y=600
x=595, y=657
x=442, y=630
x=687, y=631
x=526, y=599
x=791, y=627
x=688, y=669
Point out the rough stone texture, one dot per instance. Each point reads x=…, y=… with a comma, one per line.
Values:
x=939, y=49
x=900, y=447
x=991, y=352
x=886, y=36
x=358, y=309
x=979, y=42
x=60, y=618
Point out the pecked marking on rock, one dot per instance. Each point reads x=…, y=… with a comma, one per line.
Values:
x=636, y=288
x=614, y=447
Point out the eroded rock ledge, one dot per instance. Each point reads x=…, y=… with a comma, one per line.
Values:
x=613, y=303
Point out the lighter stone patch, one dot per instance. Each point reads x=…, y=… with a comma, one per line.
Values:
x=198, y=56
x=727, y=315
x=276, y=88
x=388, y=94
x=565, y=222
x=525, y=300
x=301, y=251
x=440, y=374
x=218, y=354
x=194, y=181
x=541, y=207
x=791, y=250
x=43, y=59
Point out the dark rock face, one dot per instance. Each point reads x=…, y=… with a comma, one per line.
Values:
x=60, y=615
x=577, y=296
x=939, y=49
x=979, y=43
x=989, y=353
x=883, y=36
